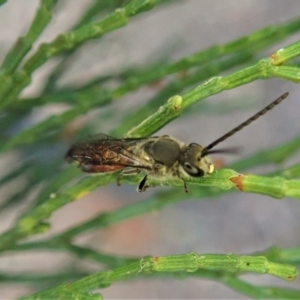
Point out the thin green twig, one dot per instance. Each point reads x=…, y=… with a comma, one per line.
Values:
x=190, y=262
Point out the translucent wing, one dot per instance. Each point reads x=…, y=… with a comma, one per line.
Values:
x=107, y=154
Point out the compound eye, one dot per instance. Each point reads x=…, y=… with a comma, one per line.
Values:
x=190, y=169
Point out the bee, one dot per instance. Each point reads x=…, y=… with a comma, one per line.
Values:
x=161, y=157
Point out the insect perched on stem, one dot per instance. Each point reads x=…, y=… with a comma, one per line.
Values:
x=161, y=157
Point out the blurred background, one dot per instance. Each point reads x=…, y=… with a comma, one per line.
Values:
x=236, y=223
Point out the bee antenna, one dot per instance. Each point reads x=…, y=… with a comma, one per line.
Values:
x=242, y=125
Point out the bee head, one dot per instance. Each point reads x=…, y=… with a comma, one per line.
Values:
x=195, y=162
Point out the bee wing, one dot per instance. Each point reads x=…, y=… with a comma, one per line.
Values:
x=107, y=154
x=105, y=137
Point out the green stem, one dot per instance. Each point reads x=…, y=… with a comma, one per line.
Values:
x=190, y=262
x=276, y=187
x=259, y=292
x=173, y=108
x=20, y=49
x=24, y=44
x=66, y=42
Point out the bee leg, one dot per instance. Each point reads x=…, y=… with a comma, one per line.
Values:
x=120, y=175
x=185, y=186
x=184, y=183
x=142, y=187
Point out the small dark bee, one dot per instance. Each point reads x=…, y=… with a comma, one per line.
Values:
x=160, y=157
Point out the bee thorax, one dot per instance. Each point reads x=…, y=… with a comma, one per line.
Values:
x=164, y=151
